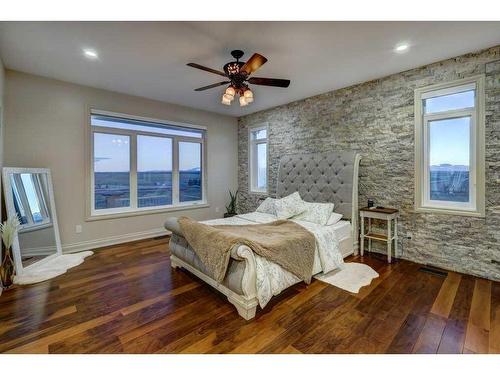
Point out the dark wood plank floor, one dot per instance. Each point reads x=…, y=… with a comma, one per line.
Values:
x=127, y=299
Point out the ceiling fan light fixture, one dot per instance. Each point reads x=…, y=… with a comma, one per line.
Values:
x=225, y=101
x=230, y=91
x=248, y=95
x=228, y=97
x=237, y=75
x=243, y=101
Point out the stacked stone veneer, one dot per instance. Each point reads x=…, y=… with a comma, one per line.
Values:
x=377, y=119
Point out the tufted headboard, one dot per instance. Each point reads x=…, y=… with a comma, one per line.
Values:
x=322, y=177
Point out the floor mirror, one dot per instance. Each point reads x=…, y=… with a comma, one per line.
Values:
x=29, y=195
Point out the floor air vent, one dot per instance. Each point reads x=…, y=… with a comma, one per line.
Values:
x=433, y=271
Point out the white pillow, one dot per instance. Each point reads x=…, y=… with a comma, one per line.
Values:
x=317, y=213
x=334, y=218
x=289, y=206
x=267, y=206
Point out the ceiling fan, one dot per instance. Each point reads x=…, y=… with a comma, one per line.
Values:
x=238, y=74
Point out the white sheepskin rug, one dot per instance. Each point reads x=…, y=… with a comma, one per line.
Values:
x=351, y=277
x=52, y=268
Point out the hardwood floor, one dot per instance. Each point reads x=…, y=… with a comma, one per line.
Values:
x=127, y=299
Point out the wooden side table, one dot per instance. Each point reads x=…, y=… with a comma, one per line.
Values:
x=391, y=216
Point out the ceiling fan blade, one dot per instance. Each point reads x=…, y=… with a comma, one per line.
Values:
x=269, y=81
x=254, y=63
x=212, y=86
x=201, y=67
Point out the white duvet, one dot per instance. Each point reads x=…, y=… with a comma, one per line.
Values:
x=272, y=279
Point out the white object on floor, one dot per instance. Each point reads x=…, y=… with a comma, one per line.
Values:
x=52, y=268
x=351, y=277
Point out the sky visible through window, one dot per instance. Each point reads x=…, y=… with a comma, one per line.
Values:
x=449, y=146
x=143, y=126
x=450, y=102
x=112, y=154
x=450, y=138
x=449, y=141
x=154, y=187
x=154, y=154
x=262, y=165
x=189, y=156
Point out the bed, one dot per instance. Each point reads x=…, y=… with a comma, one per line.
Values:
x=330, y=177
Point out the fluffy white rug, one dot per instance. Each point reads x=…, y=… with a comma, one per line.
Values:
x=351, y=277
x=52, y=268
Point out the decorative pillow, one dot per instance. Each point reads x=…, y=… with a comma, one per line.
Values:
x=289, y=206
x=317, y=213
x=267, y=206
x=334, y=218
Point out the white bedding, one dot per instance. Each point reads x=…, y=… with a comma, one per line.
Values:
x=272, y=279
x=342, y=229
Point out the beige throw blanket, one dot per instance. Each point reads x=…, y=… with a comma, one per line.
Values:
x=282, y=242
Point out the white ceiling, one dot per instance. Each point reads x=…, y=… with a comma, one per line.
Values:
x=149, y=58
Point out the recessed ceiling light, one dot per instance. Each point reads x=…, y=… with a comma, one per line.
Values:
x=91, y=54
x=401, y=47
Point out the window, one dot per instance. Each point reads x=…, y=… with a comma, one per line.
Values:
x=449, y=147
x=140, y=165
x=258, y=158
x=111, y=171
x=154, y=171
x=189, y=171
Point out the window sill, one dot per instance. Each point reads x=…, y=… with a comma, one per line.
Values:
x=430, y=210
x=258, y=192
x=154, y=211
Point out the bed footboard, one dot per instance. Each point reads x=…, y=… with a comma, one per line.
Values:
x=246, y=304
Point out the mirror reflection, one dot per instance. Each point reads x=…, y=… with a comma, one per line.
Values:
x=37, y=238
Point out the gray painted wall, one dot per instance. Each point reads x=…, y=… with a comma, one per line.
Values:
x=46, y=123
x=377, y=118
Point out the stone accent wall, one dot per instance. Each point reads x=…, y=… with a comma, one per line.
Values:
x=377, y=118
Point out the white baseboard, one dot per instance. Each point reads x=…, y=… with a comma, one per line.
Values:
x=114, y=240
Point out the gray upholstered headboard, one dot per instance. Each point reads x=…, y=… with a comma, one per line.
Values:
x=322, y=177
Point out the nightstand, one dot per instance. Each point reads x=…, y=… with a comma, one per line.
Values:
x=388, y=214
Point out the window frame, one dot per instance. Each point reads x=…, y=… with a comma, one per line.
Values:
x=252, y=158
x=423, y=203
x=133, y=209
